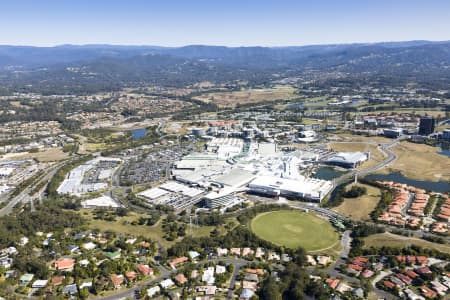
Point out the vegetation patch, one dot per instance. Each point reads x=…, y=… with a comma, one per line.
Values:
x=359, y=207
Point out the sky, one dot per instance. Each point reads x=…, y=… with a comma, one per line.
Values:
x=225, y=22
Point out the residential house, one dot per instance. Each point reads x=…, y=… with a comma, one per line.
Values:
x=167, y=283
x=145, y=270
x=180, y=279
x=117, y=280
x=65, y=264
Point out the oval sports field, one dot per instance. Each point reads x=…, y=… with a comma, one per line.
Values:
x=292, y=228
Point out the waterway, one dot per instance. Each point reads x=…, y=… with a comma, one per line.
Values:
x=439, y=186
x=138, y=133
x=327, y=173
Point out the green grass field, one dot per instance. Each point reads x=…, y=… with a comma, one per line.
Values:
x=294, y=228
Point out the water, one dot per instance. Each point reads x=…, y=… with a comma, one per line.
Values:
x=138, y=133
x=327, y=173
x=439, y=186
x=444, y=149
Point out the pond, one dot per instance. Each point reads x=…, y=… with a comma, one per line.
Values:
x=439, y=186
x=327, y=173
x=138, y=133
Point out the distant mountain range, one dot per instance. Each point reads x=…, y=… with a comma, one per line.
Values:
x=109, y=65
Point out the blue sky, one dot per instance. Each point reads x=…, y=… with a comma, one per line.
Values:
x=227, y=22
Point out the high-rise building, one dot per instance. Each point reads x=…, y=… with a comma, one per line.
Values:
x=426, y=125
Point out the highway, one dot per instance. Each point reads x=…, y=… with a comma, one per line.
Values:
x=24, y=196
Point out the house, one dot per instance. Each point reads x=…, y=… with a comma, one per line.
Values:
x=180, y=279
x=439, y=287
x=39, y=284
x=70, y=289
x=176, y=261
x=153, y=291
x=427, y=292
x=247, y=251
x=131, y=276
x=389, y=285
x=220, y=269
x=273, y=256
x=145, y=270
x=145, y=244
x=246, y=294
x=323, y=260
x=259, y=272
x=194, y=274
x=310, y=260
x=343, y=288
x=86, y=284
x=235, y=251
x=131, y=241
x=57, y=280
x=208, y=276
x=424, y=271
x=259, y=253
x=332, y=282
x=413, y=296
x=367, y=274
x=400, y=284
x=404, y=278
x=23, y=241
x=73, y=248
x=89, y=246
x=117, y=280
x=251, y=277
x=411, y=274
x=66, y=264
x=193, y=254
x=250, y=285
x=285, y=257
x=84, y=262
x=207, y=290
x=222, y=251
x=6, y=262
x=113, y=255
x=167, y=283
x=422, y=260
x=25, y=279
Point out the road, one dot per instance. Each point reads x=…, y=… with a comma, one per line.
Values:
x=130, y=293
x=390, y=157
x=24, y=196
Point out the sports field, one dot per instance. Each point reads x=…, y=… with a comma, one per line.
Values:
x=294, y=228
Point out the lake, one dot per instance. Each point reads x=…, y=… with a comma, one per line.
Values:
x=439, y=186
x=327, y=173
x=138, y=133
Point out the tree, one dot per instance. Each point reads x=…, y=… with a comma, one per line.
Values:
x=269, y=290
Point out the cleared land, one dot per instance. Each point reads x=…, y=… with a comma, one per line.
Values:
x=230, y=99
x=392, y=240
x=123, y=225
x=421, y=162
x=48, y=155
x=359, y=208
x=293, y=229
x=376, y=156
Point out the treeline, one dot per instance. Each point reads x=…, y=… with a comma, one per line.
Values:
x=294, y=283
x=386, y=198
x=247, y=215
x=238, y=237
x=364, y=230
x=49, y=217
